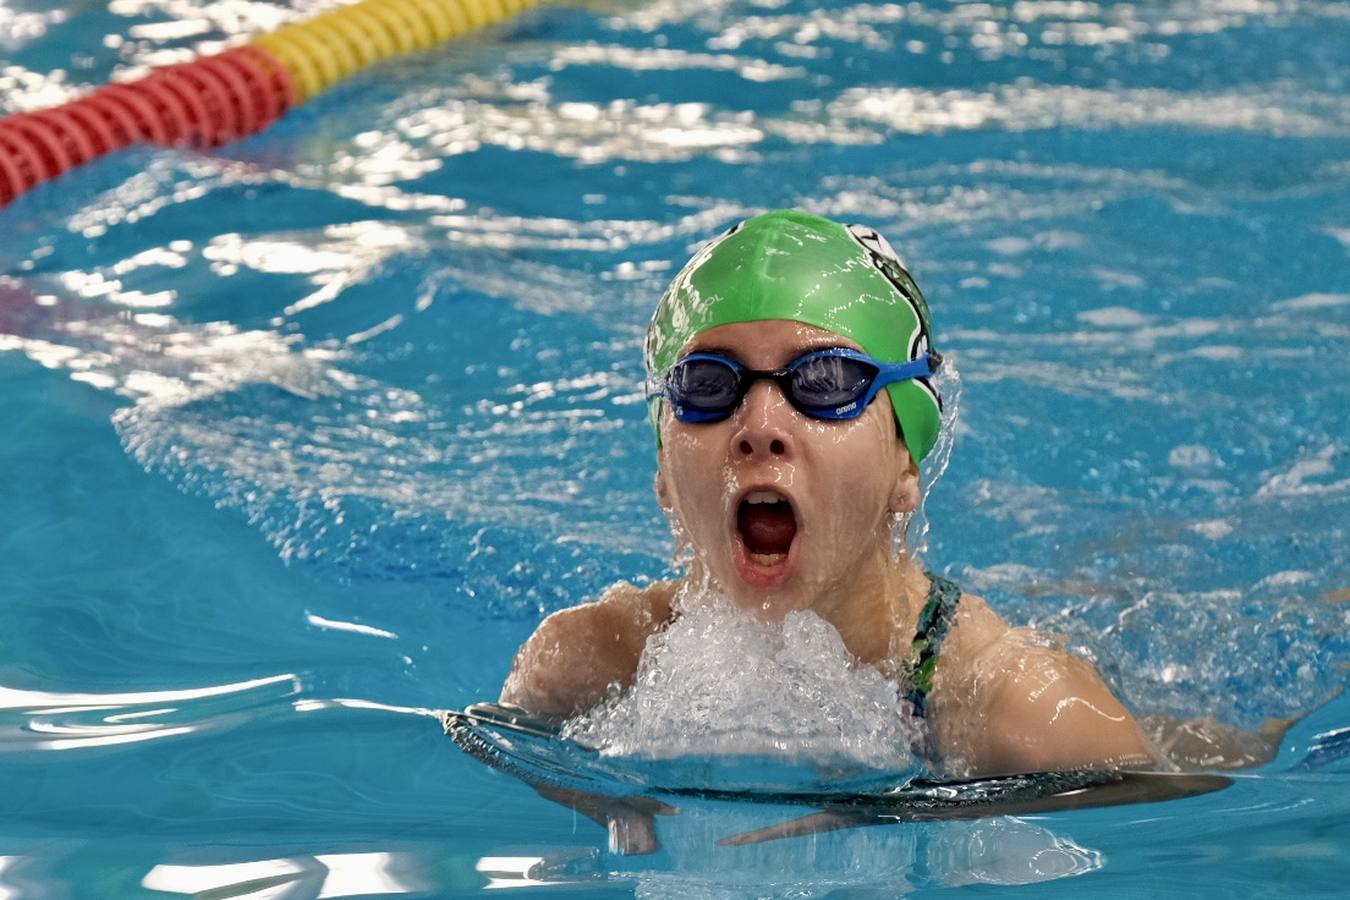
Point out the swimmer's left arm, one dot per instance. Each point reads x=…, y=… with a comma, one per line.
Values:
x=1044, y=709
x=1010, y=704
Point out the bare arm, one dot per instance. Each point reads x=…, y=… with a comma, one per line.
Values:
x=577, y=655
x=570, y=663
x=1007, y=703
x=1050, y=710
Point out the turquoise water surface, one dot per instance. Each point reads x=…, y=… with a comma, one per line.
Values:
x=303, y=436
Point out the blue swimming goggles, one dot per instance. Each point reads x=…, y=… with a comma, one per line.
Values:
x=835, y=384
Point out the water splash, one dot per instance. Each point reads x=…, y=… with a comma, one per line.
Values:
x=911, y=530
x=719, y=681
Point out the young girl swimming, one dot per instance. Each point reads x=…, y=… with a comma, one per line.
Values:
x=792, y=393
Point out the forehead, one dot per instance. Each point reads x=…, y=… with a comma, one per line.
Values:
x=774, y=340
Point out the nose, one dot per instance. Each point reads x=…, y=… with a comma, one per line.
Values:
x=765, y=424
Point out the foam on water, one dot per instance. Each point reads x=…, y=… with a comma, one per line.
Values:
x=719, y=681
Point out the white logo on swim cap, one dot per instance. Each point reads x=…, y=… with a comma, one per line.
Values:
x=882, y=256
x=873, y=240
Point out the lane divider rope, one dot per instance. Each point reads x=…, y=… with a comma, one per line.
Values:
x=216, y=99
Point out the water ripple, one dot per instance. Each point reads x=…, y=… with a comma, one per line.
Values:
x=48, y=720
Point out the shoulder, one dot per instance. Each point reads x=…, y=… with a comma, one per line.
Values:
x=577, y=655
x=976, y=628
x=649, y=607
x=1011, y=701
x=624, y=614
x=975, y=631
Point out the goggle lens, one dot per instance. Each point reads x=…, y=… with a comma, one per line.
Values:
x=829, y=382
x=705, y=385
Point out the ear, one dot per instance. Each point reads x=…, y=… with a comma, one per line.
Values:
x=905, y=492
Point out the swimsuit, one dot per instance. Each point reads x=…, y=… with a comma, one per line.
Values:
x=935, y=620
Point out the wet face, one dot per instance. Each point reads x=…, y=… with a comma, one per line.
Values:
x=785, y=512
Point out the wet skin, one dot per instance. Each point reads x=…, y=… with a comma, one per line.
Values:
x=844, y=481
x=1003, y=701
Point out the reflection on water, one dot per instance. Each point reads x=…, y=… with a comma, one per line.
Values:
x=321, y=875
x=1002, y=851
x=1008, y=851
x=893, y=860
x=46, y=720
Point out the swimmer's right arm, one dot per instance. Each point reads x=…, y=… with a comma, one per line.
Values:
x=575, y=659
x=578, y=656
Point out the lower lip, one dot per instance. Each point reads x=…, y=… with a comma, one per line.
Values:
x=762, y=576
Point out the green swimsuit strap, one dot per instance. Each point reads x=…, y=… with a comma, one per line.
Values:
x=935, y=620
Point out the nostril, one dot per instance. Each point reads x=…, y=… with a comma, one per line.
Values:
x=746, y=449
x=776, y=447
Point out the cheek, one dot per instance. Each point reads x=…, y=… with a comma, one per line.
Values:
x=864, y=463
x=694, y=478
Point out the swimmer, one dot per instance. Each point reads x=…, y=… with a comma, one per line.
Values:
x=792, y=393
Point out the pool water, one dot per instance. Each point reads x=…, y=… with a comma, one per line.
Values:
x=303, y=436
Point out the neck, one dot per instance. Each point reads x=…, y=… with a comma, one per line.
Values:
x=876, y=611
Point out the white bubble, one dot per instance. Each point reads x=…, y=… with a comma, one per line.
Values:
x=1191, y=456
x=719, y=681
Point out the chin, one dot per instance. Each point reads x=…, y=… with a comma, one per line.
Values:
x=766, y=605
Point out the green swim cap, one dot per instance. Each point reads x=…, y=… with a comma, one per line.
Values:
x=792, y=265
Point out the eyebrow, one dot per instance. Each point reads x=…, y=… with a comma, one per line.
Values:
x=720, y=351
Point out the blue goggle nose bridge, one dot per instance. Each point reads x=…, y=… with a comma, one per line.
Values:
x=837, y=401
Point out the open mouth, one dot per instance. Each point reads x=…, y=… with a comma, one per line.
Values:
x=767, y=525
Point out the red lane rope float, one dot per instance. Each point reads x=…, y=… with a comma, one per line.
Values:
x=120, y=123
x=13, y=179
x=259, y=86
x=202, y=103
x=169, y=108
x=247, y=96
x=94, y=126
x=279, y=85
x=46, y=155
x=231, y=95
x=221, y=124
x=51, y=154
x=197, y=122
x=148, y=122
x=79, y=145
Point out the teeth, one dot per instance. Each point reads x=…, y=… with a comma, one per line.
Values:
x=767, y=559
x=763, y=497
